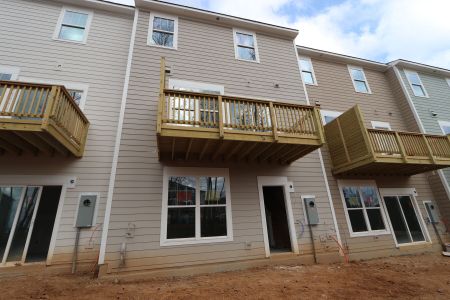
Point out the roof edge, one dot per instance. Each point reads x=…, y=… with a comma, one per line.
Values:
x=216, y=18
x=101, y=5
x=420, y=66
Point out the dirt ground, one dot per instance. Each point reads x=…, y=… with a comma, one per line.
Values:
x=420, y=277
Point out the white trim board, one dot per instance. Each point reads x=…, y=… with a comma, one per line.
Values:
x=282, y=182
x=112, y=178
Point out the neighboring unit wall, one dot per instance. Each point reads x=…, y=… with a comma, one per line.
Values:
x=335, y=92
x=205, y=54
x=27, y=43
x=431, y=109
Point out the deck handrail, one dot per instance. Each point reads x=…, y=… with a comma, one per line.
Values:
x=203, y=110
x=50, y=104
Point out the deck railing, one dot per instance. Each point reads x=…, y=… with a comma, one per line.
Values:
x=236, y=113
x=408, y=144
x=52, y=105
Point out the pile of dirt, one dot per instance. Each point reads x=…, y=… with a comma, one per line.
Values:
x=424, y=277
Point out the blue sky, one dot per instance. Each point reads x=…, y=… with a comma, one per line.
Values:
x=381, y=30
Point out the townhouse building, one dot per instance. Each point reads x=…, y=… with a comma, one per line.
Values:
x=168, y=140
x=62, y=71
x=427, y=92
x=377, y=162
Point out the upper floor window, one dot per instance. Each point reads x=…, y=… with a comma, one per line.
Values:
x=307, y=70
x=163, y=31
x=328, y=115
x=448, y=81
x=245, y=45
x=73, y=25
x=359, y=80
x=416, y=84
x=445, y=126
x=381, y=125
x=8, y=73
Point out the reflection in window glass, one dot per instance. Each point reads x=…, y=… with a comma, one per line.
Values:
x=212, y=190
x=73, y=26
x=359, y=80
x=351, y=196
x=245, y=44
x=163, y=32
x=181, y=191
x=76, y=95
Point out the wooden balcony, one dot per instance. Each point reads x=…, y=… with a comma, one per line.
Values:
x=209, y=127
x=40, y=118
x=354, y=149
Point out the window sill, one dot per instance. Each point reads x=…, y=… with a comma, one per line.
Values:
x=69, y=41
x=313, y=84
x=366, y=93
x=426, y=97
x=181, y=242
x=368, y=234
x=412, y=245
x=162, y=47
x=250, y=61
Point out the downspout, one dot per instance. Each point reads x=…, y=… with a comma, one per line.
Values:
x=112, y=179
x=419, y=123
x=322, y=165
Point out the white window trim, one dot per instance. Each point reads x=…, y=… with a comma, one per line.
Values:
x=360, y=183
x=329, y=113
x=14, y=71
x=68, y=85
x=180, y=171
x=412, y=193
x=421, y=83
x=196, y=85
x=313, y=74
x=350, y=68
x=442, y=124
x=150, y=30
x=381, y=124
x=255, y=42
x=90, y=14
x=94, y=218
x=448, y=81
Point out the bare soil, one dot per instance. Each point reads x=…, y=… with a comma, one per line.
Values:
x=407, y=277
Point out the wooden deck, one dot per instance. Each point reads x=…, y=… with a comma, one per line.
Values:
x=40, y=118
x=354, y=149
x=209, y=127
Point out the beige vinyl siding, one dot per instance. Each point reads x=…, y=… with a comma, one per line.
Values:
x=336, y=93
x=205, y=54
x=27, y=31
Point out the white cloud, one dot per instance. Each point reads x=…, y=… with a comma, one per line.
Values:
x=375, y=29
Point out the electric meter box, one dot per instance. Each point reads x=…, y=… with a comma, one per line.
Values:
x=311, y=211
x=86, y=210
x=432, y=212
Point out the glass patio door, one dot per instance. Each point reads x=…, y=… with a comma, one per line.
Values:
x=404, y=220
x=18, y=207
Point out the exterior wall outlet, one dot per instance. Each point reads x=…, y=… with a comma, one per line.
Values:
x=290, y=186
x=72, y=183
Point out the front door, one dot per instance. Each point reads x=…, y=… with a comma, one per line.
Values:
x=405, y=222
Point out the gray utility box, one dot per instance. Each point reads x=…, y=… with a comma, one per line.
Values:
x=86, y=210
x=432, y=212
x=311, y=211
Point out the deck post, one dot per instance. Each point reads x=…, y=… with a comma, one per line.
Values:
x=401, y=146
x=430, y=151
x=274, y=122
x=162, y=83
x=221, y=134
x=318, y=120
x=52, y=98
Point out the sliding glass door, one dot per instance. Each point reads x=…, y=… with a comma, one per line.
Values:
x=404, y=220
x=18, y=207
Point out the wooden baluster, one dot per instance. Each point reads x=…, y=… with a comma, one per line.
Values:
x=273, y=121
x=430, y=152
x=401, y=146
x=11, y=90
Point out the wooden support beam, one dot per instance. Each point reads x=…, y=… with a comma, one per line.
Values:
x=276, y=149
x=36, y=142
x=262, y=149
x=54, y=144
x=295, y=151
x=234, y=149
x=218, y=150
x=274, y=121
x=18, y=142
x=205, y=146
x=247, y=151
x=186, y=157
x=401, y=146
x=173, y=148
x=298, y=155
x=4, y=144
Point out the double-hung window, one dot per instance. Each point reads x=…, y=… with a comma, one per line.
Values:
x=445, y=126
x=163, y=31
x=73, y=25
x=359, y=80
x=416, y=84
x=307, y=70
x=381, y=125
x=245, y=45
x=196, y=206
x=363, y=208
x=329, y=115
x=9, y=73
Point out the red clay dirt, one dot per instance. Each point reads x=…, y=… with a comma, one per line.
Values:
x=406, y=277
